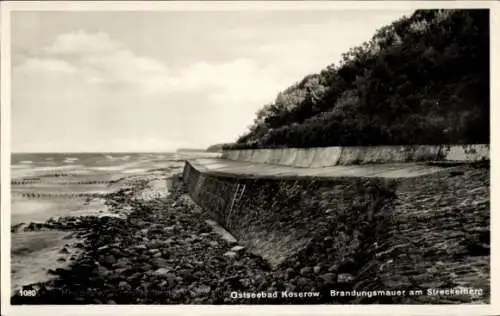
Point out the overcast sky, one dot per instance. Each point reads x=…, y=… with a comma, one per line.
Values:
x=156, y=81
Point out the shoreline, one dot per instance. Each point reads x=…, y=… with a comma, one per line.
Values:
x=148, y=257
x=166, y=250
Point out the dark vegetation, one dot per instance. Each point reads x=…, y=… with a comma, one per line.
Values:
x=424, y=79
x=217, y=147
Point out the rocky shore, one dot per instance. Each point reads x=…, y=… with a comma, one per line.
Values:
x=161, y=250
x=161, y=253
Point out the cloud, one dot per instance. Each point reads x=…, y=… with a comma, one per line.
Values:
x=100, y=60
x=47, y=66
x=82, y=43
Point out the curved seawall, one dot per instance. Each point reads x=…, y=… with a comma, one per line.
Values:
x=363, y=233
x=332, y=156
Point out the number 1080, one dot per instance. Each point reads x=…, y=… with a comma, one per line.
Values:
x=27, y=292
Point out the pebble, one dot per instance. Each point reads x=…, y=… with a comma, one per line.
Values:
x=161, y=272
x=237, y=248
x=103, y=248
x=231, y=254
x=159, y=262
x=289, y=273
x=328, y=278
x=124, y=286
x=303, y=282
x=123, y=263
x=110, y=259
x=306, y=271
x=344, y=278
x=153, y=251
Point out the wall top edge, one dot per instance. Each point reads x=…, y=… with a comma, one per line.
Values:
x=381, y=146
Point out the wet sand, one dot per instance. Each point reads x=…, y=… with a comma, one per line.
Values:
x=34, y=253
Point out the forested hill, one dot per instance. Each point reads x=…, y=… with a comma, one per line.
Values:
x=424, y=79
x=216, y=147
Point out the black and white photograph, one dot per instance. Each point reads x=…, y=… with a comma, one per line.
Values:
x=235, y=153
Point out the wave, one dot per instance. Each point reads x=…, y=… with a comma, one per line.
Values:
x=70, y=159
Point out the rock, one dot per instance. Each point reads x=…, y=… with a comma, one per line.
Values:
x=157, y=255
x=237, y=248
x=102, y=271
x=231, y=254
x=202, y=290
x=161, y=272
x=153, y=251
x=289, y=273
x=345, y=278
x=159, y=262
x=61, y=259
x=328, y=278
x=238, y=263
x=169, y=228
x=213, y=243
x=185, y=273
x=179, y=293
x=306, y=271
x=64, y=250
x=135, y=277
x=123, y=263
x=124, y=286
x=106, y=247
x=316, y=269
x=140, y=247
x=303, y=282
x=109, y=259
x=111, y=302
x=169, y=241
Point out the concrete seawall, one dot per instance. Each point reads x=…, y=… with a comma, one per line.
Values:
x=332, y=156
x=375, y=232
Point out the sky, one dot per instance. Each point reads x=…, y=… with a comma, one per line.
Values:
x=156, y=81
